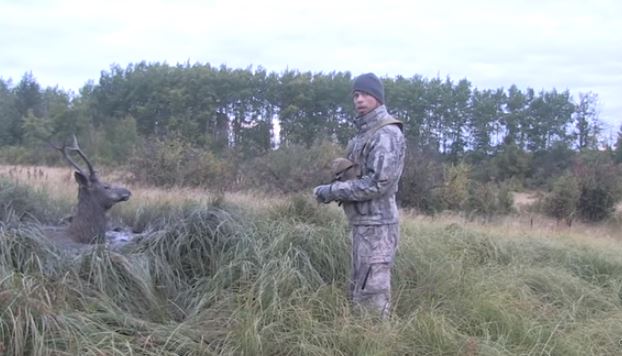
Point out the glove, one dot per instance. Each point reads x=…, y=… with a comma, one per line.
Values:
x=322, y=193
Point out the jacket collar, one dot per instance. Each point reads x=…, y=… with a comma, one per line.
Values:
x=371, y=119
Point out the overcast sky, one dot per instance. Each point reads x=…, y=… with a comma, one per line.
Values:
x=546, y=44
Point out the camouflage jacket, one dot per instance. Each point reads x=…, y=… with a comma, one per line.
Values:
x=370, y=200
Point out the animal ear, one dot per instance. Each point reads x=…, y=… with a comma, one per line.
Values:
x=82, y=180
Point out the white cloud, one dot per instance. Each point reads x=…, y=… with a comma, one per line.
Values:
x=541, y=44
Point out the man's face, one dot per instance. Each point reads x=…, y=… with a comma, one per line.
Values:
x=364, y=103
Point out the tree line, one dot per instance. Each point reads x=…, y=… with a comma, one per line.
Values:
x=225, y=108
x=228, y=116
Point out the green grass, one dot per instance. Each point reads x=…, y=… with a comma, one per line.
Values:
x=218, y=278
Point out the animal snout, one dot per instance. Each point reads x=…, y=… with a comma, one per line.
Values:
x=125, y=195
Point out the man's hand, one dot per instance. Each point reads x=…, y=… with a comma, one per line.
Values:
x=322, y=193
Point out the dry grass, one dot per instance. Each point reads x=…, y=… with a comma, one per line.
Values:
x=526, y=224
x=59, y=183
x=214, y=282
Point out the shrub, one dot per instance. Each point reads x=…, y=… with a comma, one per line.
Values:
x=173, y=162
x=550, y=163
x=505, y=199
x=489, y=199
x=455, y=191
x=600, y=185
x=511, y=162
x=292, y=168
x=421, y=183
x=29, y=155
x=115, y=143
x=563, y=200
x=482, y=198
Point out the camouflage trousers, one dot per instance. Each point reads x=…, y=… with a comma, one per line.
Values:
x=373, y=252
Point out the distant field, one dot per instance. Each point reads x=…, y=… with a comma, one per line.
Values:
x=59, y=183
x=250, y=274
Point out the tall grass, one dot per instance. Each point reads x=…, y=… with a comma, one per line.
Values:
x=239, y=277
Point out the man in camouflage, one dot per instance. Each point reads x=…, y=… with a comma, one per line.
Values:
x=369, y=200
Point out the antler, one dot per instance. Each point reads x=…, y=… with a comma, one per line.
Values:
x=64, y=149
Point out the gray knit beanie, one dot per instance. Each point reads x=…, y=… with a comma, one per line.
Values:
x=370, y=84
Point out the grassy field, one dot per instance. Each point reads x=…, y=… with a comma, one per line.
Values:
x=248, y=274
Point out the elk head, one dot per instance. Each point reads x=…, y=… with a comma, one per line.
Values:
x=94, y=198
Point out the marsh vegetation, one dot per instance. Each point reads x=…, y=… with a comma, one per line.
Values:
x=251, y=274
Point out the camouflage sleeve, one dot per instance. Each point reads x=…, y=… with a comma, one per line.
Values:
x=383, y=168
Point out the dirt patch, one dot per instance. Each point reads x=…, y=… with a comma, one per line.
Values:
x=522, y=200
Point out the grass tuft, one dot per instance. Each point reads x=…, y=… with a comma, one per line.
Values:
x=229, y=277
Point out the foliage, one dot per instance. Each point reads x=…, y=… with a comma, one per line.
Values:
x=505, y=199
x=28, y=155
x=587, y=126
x=563, y=201
x=421, y=182
x=292, y=168
x=590, y=190
x=617, y=153
x=115, y=144
x=550, y=163
x=175, y=162
x=455, y=191
x=219, y=107
x=489, y=199
x=600, y=185
x=232, y=128
x=511, y=163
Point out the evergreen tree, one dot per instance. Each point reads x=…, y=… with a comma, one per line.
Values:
x=587, y=125
x=9, y=117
